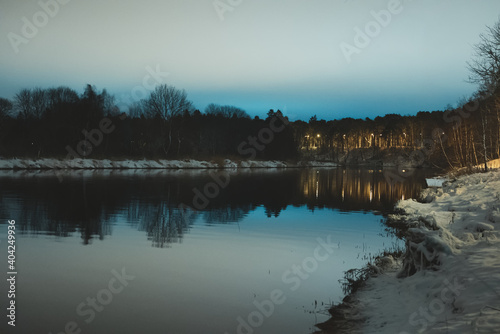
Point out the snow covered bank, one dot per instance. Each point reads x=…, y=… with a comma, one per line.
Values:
x=148, y=164
x=449, y=278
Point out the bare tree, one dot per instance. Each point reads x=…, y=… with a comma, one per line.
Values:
x=22, y=104
x=485, y=71
x=485, y=66
x=60, y=96
x=137, y=110
x=31, y=103
x=5, y=107
x=108, y=102
x=212, y=109
x=225, y=111
x=167, y=102
x=484, y=126
x=40, y=101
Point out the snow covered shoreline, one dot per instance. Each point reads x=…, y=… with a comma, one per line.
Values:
x=448, y=281
x=35, y=164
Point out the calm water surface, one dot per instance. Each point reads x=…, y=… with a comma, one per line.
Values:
x=144, y=252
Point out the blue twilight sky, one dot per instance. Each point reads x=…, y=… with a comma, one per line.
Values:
x=254, y=54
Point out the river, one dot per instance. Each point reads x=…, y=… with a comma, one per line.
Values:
x=190, y=251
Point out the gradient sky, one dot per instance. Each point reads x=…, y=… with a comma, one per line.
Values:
x=264, y=54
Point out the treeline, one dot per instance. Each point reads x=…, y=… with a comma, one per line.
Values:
x=59, y=122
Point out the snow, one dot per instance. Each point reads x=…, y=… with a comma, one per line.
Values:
x=149, y=164
x=449, y=280
x=435, y=182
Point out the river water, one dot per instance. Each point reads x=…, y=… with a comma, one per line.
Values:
x=193, y=251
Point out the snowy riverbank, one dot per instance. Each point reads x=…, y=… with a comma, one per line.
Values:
x=150, y=164
x=449, y=279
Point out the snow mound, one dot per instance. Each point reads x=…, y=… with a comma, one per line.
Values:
x=449, y=279
x=479, y=227
x=494, y=216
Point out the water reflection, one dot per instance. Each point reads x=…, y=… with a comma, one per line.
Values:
x=88, y=203
x=358, y=189
x=162, y=223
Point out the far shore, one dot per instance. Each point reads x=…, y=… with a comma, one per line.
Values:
x=68, y=164
x=218, y=163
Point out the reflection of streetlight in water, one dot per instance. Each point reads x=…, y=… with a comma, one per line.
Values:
x=317, y=183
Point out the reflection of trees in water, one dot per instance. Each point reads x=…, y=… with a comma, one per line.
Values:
x=227, y=214
x=163, y=223
x=81, y=206
x=356, y=189
x=59, y=209
x=89, y=206
x=273, y=211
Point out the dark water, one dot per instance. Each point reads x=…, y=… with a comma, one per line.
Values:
x=189, y=251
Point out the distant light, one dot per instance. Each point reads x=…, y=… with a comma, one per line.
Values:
x=318, y=135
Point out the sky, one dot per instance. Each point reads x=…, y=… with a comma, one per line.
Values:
x=330, y=58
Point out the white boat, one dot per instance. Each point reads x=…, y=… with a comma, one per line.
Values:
x=436, y=182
